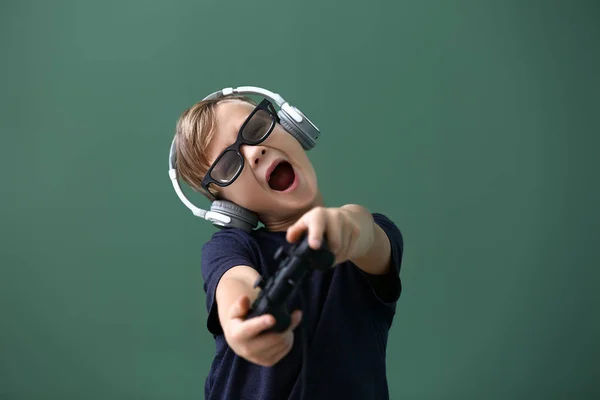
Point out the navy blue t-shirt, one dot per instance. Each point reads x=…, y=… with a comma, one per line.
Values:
x=348, y=315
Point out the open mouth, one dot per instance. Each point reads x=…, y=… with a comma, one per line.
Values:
x=282, y=177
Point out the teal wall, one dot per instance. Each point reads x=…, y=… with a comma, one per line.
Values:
x=473, y=125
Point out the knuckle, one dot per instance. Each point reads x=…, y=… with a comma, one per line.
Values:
x=347, y=221
x=319, y=210
x=334, y=244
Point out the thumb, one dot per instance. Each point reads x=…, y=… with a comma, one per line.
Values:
x=296, y=318
x=239, y=309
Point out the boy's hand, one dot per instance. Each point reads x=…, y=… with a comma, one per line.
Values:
x=246, y=339
x=349, y=230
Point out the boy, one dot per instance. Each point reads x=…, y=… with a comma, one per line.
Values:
x=348, y=310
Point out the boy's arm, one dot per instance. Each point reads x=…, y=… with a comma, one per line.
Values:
x=380, y=263
x=236, y=282
x=376, y=260
x=234, y=294
x=372, y=242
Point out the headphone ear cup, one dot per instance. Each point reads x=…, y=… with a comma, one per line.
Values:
x=304, y=132
x=240, y=217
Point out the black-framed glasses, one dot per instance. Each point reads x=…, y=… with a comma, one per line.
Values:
x=230, y=163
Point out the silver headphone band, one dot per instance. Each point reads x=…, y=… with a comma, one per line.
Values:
x=175, y=181
x=276, y=98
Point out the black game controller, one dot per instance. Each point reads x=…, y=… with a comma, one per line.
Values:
x=295, y=263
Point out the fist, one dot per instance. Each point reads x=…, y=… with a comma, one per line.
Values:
x=338, y=226
x=247, y=339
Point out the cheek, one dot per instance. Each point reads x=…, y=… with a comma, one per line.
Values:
x=282, y=140
x=294, y=150
x=289, y=145
x=302, y=158
x=238, y=191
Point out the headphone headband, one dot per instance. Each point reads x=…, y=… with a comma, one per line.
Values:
x=277, y=99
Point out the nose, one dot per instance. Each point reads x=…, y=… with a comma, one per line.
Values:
x=253, y=154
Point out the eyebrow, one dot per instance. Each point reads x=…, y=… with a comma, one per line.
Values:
x=228, y=143
x=239, y=126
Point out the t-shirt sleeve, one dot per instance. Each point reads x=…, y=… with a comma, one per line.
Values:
x=226, y=249
x=388, y=287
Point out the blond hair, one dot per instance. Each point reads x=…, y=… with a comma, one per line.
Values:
x=194, y=131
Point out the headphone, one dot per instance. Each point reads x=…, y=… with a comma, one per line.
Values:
x=226, y=214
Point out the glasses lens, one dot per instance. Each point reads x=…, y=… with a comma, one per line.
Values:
x=258, y=126
x=227, y=167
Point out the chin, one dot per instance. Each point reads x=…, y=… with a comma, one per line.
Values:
x=305, y=199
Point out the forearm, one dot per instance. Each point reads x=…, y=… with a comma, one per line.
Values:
x=236, y=282
x=377, y=259
x=373, y=250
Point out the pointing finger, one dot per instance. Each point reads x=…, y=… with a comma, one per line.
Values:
x=316, y=229
x=295, y=231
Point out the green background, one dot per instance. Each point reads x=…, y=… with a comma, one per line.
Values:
x=473, y=125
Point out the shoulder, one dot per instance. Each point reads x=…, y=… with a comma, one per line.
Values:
x=394, y=235
x=388, y=287
x=387, y=224
x=224, y=238
x=229, y=247
x=235, y=239
x=390, y=228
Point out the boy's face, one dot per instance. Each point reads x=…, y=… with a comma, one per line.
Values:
x=267, y=185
